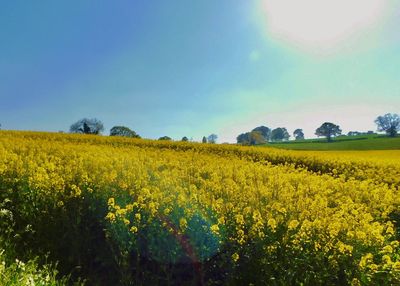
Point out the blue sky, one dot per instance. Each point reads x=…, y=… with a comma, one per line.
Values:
x=192, y=68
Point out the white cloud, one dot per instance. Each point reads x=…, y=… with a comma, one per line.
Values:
x=321, y=25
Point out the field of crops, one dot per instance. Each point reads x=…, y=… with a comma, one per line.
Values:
x=118, y=211
x=362, y=142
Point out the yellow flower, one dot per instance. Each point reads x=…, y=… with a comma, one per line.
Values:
x=293, y=224
x=138, y=216
x=76, y=191
x=214, y=228
x=366, y=259
x=272, y=224
x=396, y=266
x=239, y=219
x=390, y=230
x=386, y=260
x=235, y=257
x=361, y=235
x=249, y=191
x=387, y=249
x=183, y=224
x=240, y=236
x=121, y=212
x=373, y=267
x=395, y=243
x=111, y=202
x=111, y=217
x=129, y=207
x=345, y=248
x=334, y=228
x=355, y=282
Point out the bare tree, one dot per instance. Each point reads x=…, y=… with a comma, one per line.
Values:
x=212, y=138
x=389, y=123
x=87, y=126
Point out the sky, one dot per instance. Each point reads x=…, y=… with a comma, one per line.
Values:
x=192, y=68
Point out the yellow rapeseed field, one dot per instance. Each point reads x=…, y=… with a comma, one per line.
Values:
x=290, y=217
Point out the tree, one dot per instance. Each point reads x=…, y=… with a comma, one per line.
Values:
x=166, y=138
x=279, y=134
x=256, y=138
x=298, y=134
x=389, y=123
x=204, y=140
x=265, y=132
x=123, y=131
x=185, y=139
x=328, y=130
x=243, y=138
x=251, y=138
x=87, y=126
x=212, y=138
x=354, y=133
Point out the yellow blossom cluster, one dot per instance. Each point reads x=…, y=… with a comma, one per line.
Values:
x=308, y=204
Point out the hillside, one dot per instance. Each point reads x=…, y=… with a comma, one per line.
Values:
x=367, y=142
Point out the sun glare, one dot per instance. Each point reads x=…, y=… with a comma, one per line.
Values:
x=321, y=25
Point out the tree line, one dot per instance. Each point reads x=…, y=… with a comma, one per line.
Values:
x=388, y=123
x=96, y=127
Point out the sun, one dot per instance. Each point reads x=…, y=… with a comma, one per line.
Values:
x=321, y=25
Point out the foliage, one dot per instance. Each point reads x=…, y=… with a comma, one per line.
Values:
x=185, y=139
x=257, y=136
x=212, y=138
x=204, y=140
x=279, y=134
x=389, y=123
x=123, y=131
x=87, y=126
x=17, y=272
x=121, y=211
x=165, y=138
x=265, y=132
x=243, y=138
x=298, y=134
x=328, y=130
x=358, y=133
x=343, y=143
x=251, y=138
x=13, y=271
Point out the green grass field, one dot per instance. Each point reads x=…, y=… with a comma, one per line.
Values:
x=363, y=142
